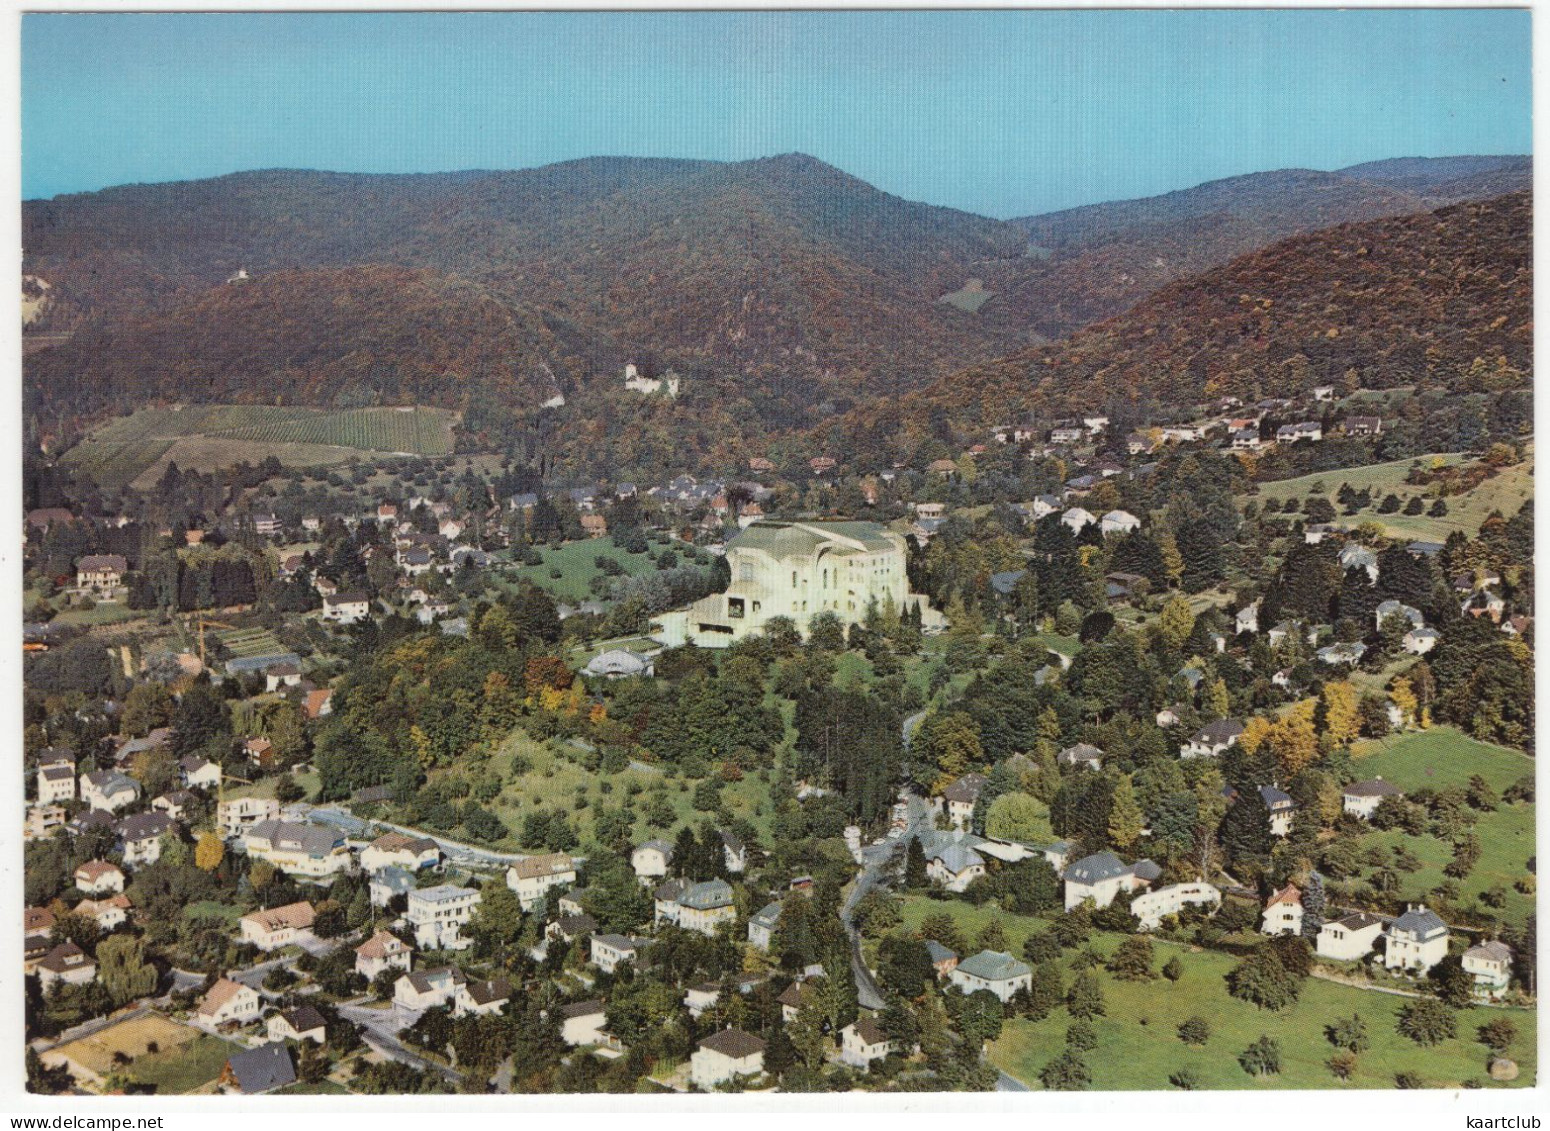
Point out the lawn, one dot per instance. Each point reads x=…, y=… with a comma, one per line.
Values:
x=1441, y=758
x=1132, y=1055
x=553, y=779
x=320, y=1088
x=1506, y=492
x=210, y=909
x=104, y=612
x=174, y=1072
x=577, y=564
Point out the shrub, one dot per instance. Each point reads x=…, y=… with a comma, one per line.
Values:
x=1173, y=969
x=1497, y=1035
x=1341, y=1065
x=1194, y=1030
x=1185, y=1080
x=1262, y=1058
x=1427, y=1022
x=1349, y=1033
x=1081, y=1035
x=1408, y=1080
x=1068, y=1072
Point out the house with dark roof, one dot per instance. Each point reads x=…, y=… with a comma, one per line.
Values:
x=724, y=1056
x=481, y=998
x=960, y=798
x=992, y=970
x=259, y=1070
x=304, y=1023
x=862, y=1042
x=1102, y=876
x=1349, y=938
x=1280, y=807
x=1213, y=739
x=1416, y=941
x=1362, y=798
x=1490, y=964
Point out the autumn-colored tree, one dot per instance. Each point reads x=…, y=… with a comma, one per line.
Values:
x=1404, y=698
x=1339, y=704
x=543, y=672
x=1176, y=620
x=1215, y=703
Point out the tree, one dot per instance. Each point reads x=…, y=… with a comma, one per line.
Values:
x=1132, y=960
x=1068, y=1072
x=915, y=864
x=1176, y=621
x=1015, y=816
x=209, y=852
x=1194, y=1030
x=1263, y=979
x=497, y=921
x=1262, y=1058
x=1339, y=707
x=1085, y=998
x=1349, y=1033
x=1173, y=969
x=1125, y=817
x=1427, y=1021
x=1498, y=1035
x=123, y=970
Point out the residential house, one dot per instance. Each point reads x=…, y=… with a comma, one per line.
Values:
x=1281, y=808
x=1102, y=876
x=761, y=925
x=725, y=1056
x=862, y=1042
x=109, y=790
x=311, y=851
x=695, y=906
x=1310, y=430
x=1152, y=907
x=56, y=782
x=319, y=704
x=1392, y=608
x=346, y=608
x=1119, y=522
x=399, y=850
x=1349, y=938
x=1246, y=619
x=734, y=853
x=274, y=927
x=1245, y=440
x=66, y=963
x=698, y=999
x=388, y=883
x=1083, y=754
x=1076, y=519
x=609, y=951
x=101, y=574
x=140, y=837
x=536, y=875
x=943, y=959
x=238, y=814
x=652, y=860
x=282, y=676
x=1490, y=963
x=1362, y=798
x=992, y=970
x=480, y=999
x=1363, y=426
x=1342, y=654
x=229, y=1002
x=619, y=663
x=383, y=951
x=581, y=1023
x=1353, y=555
x=98, y=877
x=173, y=804
x=109, y=914
x=1213, y=739
x=1067, y=434
x=960, y=798
x=954, y=866
x=1416, y=941
x=571, y=926
x=438, y=915
x=302, y=1024
x=1419, y=641
x=427, y=989
x=1323, y=393
x=199, y=773
x=1283, y=912
x=258, y=1070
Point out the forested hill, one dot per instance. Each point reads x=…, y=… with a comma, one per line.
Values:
x=1103, y=258
x=1413, y=299
x=348, y=336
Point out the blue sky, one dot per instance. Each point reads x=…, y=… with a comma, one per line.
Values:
x=1004, y=113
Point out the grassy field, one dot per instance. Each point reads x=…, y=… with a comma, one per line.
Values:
x=210, y=909
x=1441, y=758
x=1138, y=1045
x=577, y=564
x=969, y=300
x=1506, y=492
x=104, y=612
x=552, y=781
x=174, y=1072
x=136, y=449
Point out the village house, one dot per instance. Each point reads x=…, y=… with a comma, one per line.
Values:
x=258, y=1070
x=1350, y=938
x=609, y=951
x=199, y=773
x=98, y=877
x=1419, y=641
x=862, y=1042
x=1245, y=440
x=652, y=860
x=1310, y=430
x=346, y=608
x=174, y=804
x=1363, y=426
x=761, y=925
x=1362, y=798
x=398, y=850
x=109, y=914
x=797, y=570
x=387, y=883
x=536, y=875
x=619, y=663
x=1280, y=807
x=1076, y=519
x=954, y=866
x=427, y=989
x=1283, y=912
x=109, y=790
x=101, y=574
x=724, y=1056
x=960, y=798
x=67, y=964
x=301, y=1024
x=1152, y=907
x=992, y=970
x=581, y=1023
x=319, y=704
x=1342, y=654
x=1246, y=619
x=1102, y=876
x=56, y=781
x=695, y=907
x=42, y=820
x=1353, y=555
x=1119, y=522
x=438, y=915
x=238, y=814
x=1213, y=739
x=1083, y=754
x=480, y=999
x=275, y=927
x=697, y=999
x=1416, y=941
x=311, y=851
x=282, y=676
x=383, y=951
x=1490, y=963
x=140, y=837
x=1067, y=434
x=229, y=1002
x=944, y=960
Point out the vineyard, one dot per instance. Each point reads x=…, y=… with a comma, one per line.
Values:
x=134, y=450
